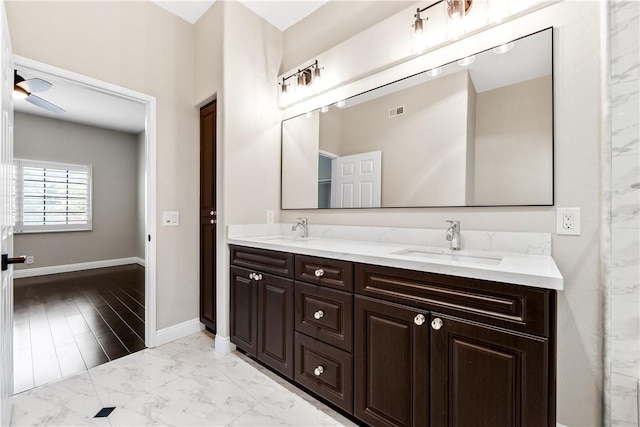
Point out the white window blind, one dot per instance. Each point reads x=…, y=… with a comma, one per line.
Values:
x=51, y=196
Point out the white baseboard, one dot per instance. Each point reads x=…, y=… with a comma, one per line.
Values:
x=178, y=331
x=140, y=261
x=223, y=345
x=66, y=268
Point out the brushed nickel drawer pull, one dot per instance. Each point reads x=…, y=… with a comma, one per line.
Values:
x=319, y=272
x=318, y=371
x=437, y=323
x=318, y=315
x=419, y=319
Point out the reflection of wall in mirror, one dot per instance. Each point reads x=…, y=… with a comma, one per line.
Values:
x=424, y=149
x=300, y=143
x=513, y=159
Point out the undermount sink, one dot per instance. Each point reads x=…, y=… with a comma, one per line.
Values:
x=280, y=239
x=468, y=258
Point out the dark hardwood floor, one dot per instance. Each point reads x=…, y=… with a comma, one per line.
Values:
x=66, y=323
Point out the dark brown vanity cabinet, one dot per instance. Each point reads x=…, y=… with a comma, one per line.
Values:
x=262, y=306
x=397, y=347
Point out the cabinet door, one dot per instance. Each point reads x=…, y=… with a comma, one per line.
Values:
x=244, y=310
x=391, y=364
x=484, y=376
x=275, y=320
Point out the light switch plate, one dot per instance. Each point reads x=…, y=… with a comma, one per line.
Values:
x=170, y=218
x=568, y=221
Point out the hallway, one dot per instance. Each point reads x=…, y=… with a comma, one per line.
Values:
x=70, y=322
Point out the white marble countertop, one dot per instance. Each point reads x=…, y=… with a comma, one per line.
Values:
x=529, y=269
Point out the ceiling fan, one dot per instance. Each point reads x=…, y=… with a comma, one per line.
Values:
x=23, y=89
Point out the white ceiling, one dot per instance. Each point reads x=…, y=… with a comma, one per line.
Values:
x=85, y=105
x=282, y=14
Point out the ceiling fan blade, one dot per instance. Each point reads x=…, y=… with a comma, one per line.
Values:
x=34, y=85
x=36, y=100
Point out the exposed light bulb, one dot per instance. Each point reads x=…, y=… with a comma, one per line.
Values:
x=19, y=93
x=503, y=48
x=466, y=61
x=434, y=72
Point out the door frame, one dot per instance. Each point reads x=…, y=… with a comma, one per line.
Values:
x=150, y=172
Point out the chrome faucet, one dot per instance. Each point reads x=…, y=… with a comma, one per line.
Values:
x=453, y=235
x=304, y=226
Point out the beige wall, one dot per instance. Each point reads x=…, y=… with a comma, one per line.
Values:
x=513, y=138
x=310, y=37
x=577, y=155
x=114, y=160
x=331, y=131
x=139, y=46
x=423, y=162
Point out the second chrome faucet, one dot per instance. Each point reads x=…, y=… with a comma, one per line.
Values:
x=303, y=225
x=453, y=235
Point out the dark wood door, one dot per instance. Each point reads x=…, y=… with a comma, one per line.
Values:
x=275, y=320
x=244, y=310
x=208, y=216
x=391, y=364
x=485, y=376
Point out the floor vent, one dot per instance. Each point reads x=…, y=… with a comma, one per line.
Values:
x=104, y=412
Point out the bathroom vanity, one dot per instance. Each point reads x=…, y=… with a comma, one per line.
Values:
x=398, y=334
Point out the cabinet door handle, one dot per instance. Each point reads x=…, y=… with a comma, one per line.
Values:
x=213, y=221
x=258, y=276
x=318, y=315
x=252, y=276
x=318, y=371
x=212, y=213
x=419, y=319
x=437, y=323
x=319, y=272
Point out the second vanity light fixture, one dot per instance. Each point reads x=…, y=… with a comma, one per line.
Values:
x=456, y=10
x=300, y=84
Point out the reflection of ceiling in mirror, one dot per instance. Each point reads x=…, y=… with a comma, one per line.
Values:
x=530, y=58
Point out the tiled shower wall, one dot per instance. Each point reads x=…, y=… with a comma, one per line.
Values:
x=623, y=342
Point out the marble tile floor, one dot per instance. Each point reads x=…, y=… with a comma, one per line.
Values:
x=183, y=383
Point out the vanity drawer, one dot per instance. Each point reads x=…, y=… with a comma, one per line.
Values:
x=325, y=314
x=262, y=260
x=519, y=308
x=325, y=370
x=326, y=272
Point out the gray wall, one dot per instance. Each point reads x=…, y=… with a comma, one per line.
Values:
x=114, y=157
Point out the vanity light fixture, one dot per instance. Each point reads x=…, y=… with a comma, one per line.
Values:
x=456, y=9
x=503, y=48
x=301, y=80
x=466, y=61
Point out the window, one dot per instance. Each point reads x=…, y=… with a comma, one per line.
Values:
x=51, y=197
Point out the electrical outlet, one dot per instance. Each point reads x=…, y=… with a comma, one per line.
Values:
x=568, y=221
x=270, y=216
x=170, y=218
x=30, y=259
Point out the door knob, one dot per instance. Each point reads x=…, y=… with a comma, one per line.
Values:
x=6, y=261
x=318, y=371
x=318, y=315
x=419, y=319
x=437, y=323
x=319, y=272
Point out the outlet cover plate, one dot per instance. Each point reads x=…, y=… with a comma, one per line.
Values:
x=568, y=221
